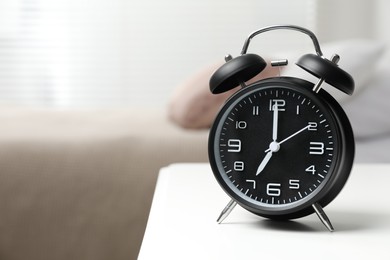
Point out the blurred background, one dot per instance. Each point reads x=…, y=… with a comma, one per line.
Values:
x=82, y=53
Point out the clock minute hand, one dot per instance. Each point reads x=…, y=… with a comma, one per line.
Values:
x=274, y=147
x=275, y=123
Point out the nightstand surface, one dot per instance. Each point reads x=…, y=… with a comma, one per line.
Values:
x=187, y=201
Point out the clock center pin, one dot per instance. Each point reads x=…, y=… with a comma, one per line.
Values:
x=274, y=146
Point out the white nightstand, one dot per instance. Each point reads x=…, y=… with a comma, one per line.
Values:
x=182, y=222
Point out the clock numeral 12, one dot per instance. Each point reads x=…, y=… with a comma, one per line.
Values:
x=280, y=103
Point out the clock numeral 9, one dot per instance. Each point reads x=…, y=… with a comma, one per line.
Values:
x=234, y=145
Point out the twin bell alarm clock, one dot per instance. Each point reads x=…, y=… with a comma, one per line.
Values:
x=281, y=147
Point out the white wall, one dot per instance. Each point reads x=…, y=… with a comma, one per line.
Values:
x=172, y=39
x=338, y=20
x=382, y=20
x=122, y=52
x=128, y=52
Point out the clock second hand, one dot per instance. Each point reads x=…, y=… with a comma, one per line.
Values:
x=291, y=136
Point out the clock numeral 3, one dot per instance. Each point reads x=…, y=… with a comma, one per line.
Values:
x=316, y=148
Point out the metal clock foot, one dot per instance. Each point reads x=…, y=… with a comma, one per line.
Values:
x=226, y=211
x=322, y=216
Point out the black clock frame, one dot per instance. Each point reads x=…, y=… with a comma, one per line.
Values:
x=342, y=167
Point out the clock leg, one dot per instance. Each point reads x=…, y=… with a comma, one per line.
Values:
x=322, y=216
x=226, y=211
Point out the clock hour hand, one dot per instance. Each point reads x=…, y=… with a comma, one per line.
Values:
x=273, y=147
x=264, y=162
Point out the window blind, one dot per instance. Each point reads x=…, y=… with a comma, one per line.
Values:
x=125, y=53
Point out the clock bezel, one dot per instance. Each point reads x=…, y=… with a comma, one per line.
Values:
x=337, y=175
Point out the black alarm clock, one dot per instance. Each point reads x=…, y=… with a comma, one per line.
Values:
x=281, y=147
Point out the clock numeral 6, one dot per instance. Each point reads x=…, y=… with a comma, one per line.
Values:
x=273, y=189
x=234, y=145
